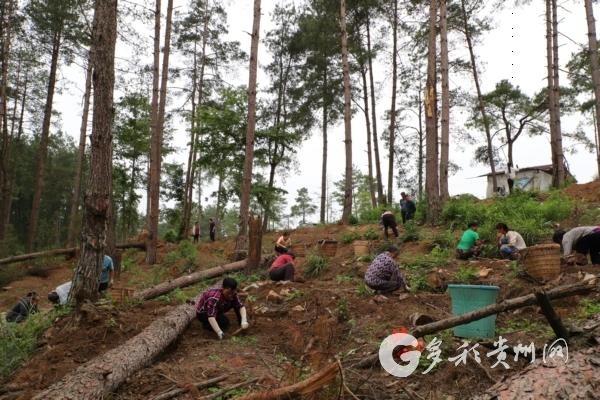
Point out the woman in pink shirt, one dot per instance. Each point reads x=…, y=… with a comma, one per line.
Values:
x=283, y=268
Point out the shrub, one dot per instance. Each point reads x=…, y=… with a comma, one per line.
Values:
x=315, y=265
x=170, y=236
x=445, y=239
x=438, y=257
x=371, y=234
x=411, y=232
x=465, y=274
x=350, y=237
x=185, y=251
x=353, y=220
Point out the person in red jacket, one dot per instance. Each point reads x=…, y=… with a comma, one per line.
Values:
x=283, y=268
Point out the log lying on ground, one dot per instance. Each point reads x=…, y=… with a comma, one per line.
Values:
x=200, y=385
x=102, y=375
x=310, y=385
x=555, y=379
x=506, y=305
x=61, y=252
x=187, y=280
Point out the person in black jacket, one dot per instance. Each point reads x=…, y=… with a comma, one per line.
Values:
x=212, y=229
x=26, y=306
x=407, y=207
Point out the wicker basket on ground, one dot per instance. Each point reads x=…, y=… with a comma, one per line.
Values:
x=298, y=249
x=327, y=247
x=542, y=262
x=361, y=248
x=120, y=294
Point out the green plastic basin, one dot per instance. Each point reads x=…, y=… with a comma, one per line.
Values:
x=466, y=298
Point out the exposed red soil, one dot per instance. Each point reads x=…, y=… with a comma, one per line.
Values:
x=588, y=192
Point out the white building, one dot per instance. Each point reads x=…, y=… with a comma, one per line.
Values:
x=530, y=179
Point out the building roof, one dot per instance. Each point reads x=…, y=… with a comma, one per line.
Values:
x=544, y=168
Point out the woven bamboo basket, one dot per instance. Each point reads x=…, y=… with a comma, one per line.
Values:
x=120, y=294
x=328, y=248
x=542, y=261
x=299, y=249
x=361, y=248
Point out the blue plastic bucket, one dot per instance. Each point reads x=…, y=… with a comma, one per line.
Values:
x=466, y=298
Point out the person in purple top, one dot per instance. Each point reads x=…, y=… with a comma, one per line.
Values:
x=212, y=305
x=383, y=275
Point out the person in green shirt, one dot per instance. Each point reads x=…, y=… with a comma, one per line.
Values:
x=469, y=244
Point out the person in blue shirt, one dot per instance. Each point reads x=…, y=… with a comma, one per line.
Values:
x=106, y=277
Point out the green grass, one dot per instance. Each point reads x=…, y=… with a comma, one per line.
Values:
x=417, y=281
x=525, y=325
x=411, y=232
x=465, y=274
x=363, y=290
x=342, y=311
x=19, y=341
x=589, y=307
x=368, y=258
x=437, y=258
x=315, y=265
x=350, y=237
x=371, y=234
x=344, y=279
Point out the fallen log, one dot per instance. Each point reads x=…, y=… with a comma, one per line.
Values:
x=61, y=252
x=506, y=305
x=187, y=280
x=200, y=385
x=220, y=393
x=310, y=385
x=102, y=375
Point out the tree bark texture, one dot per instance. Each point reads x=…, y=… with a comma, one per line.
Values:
x=480, y=102
x=392, y=129
x=155, y=147
x=188, y=280
x=347, y=211
x=80, y=158
x=38, y=181
x=254, y=242
x=372, y=188
x=593, y=53
x=102, y=375
x=98, y=196
x=431, y=162
x=445, y=146
x=325, y=123
x=378, y=175
x=558, y=169
x=241, y=243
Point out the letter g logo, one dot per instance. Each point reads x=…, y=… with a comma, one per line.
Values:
x=386, y=355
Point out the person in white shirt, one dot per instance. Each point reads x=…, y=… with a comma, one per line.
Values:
x=579, y=241
x=509, y=242
x=60, y=295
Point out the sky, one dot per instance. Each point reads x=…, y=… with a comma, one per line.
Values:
x=515, y=49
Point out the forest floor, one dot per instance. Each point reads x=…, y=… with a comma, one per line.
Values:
x=330, y=315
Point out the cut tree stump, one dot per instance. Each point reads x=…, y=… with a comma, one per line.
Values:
x=102, y=375
x=70, y=252
x=187, y=280
x=310, y=385
x=506, y=305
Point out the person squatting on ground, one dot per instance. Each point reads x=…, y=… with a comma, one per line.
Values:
x=469, y=244
x=408, y=208
x=60, y=295
x=25, y=307
x=388, y=220
x=283, y=268
x=283, y=243
x=582, y=240
x=196, y=232
x=106, y=277
x=212, y=229
x=383, y=275
x=212, y=305
x=509, y=242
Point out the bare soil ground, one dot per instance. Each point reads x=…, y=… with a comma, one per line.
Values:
x=326, y=316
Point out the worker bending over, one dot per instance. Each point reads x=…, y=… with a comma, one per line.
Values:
x=388, y=220
x=283, y=268
x=383, y=275
x=283, y=243
x=582, y=240
x=212, y=305
x=469, y=244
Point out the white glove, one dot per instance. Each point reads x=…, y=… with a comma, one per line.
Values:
x=221, y=335
x=245, y=325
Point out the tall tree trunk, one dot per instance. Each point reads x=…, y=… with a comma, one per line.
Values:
x=157, y=142
x=38, y=181
x=242, y=240
x=378, y=175
x=392, y=130
x=97, y=198
x=272, y=168
x=593, y=53
x=372, y=189
x=80, y=158
x=445, y=147
x=558, y=168
x=480, y=102
x=347, y=211
x=325, y=122
x=421, y=140
x=431, y=162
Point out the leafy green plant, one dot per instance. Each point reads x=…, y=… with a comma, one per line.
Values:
x=445, y=239
x=367, y=258
x=371, y=234
x=185, y=251
x=589, y=307
x=315, y=264
x=350, y=237
x=363, y=290
x=417, y=281
x=342, y=311
x=438, y=257
x=411, y=232
x=170, y=236
x=465, y=274
x=353, y=220
x=344, y=279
